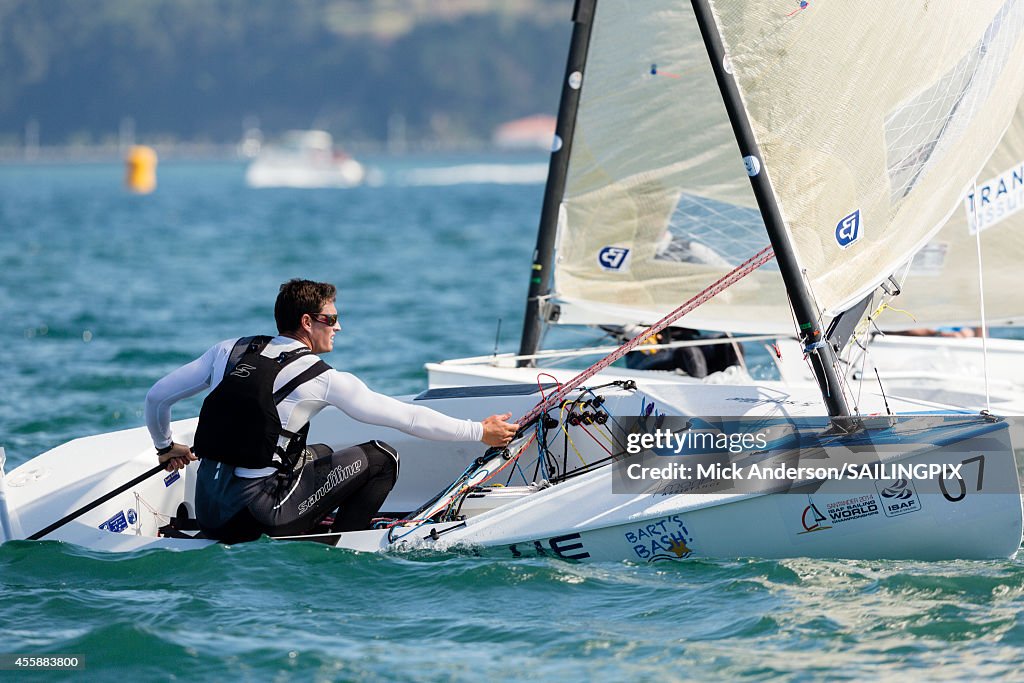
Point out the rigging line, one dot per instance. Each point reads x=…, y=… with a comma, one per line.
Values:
x=581, y=422
x=732, y=277
x=843, y=387
x=542, y=463
x=882, y=389
x=738, y=350
x=540, y=387
x=605, y=435
x=810, y=290
x=603, y=432
x=565, y=452
x=590, y=467
x=497, y=336
x=508, y=482
x=140, y=501
x=596, y=440
x=726, y=281
x=863, y=362
x=981, y=299
x=906, y=274
x=511, y=460
x=544, y=451
x=871, y=321
x=572, y=443
x=865, y=324
x=597, y=404
x=844, y=384
x=840, y=367
x=609, y=417
x=886, y=306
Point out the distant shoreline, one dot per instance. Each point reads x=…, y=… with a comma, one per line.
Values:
x=202, y=151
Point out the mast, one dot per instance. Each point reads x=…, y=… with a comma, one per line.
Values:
x=543, y=253
x=821, y=354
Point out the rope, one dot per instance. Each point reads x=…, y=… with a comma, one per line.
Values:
x=732, y=277
x=446, y=500
x=981, y=299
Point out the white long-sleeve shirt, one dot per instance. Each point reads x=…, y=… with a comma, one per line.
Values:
x=342, y=390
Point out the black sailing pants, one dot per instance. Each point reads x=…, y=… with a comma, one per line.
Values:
x=356, y=480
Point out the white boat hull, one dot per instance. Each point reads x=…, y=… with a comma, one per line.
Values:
x=931, y=370
x=590, y=525
x=945, y=370
x=580, y=511
x=299, y=174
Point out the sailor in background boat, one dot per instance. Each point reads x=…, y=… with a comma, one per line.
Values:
x=695, y=361
x=257, y=475
x=958, y=331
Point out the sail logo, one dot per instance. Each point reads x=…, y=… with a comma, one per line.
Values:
x=848, y=230
x=613, y=258
x=995, y=200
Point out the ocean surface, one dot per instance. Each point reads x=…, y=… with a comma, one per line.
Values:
x=103, y=292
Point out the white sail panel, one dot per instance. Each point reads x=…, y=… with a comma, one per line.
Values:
x=872, y=120
x=941, y=287
x=657, y=203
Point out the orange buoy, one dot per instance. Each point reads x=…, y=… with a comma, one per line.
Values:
x=140, y=169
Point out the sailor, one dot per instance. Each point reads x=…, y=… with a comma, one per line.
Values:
x=695, y=361
x=258, y=475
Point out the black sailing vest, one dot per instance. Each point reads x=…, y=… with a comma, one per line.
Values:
x=239, y=424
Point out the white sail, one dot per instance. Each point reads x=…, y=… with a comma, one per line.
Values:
x=941, y=287
x=872, y=120
x=657, y=204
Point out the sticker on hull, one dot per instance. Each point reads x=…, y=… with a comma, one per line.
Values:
x=662, y=539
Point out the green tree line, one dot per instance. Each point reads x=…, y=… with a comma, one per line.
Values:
x=196, y=69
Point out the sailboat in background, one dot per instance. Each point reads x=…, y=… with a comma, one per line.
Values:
x=848, y=168
x=304, y=159
x=940, y=288
x=651, y=209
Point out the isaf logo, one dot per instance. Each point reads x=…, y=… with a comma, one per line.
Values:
x=613, y=258
x=900, y=490
x=848, y=230
x=898, y=497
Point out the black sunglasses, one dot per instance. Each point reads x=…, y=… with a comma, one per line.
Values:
x=329, y=319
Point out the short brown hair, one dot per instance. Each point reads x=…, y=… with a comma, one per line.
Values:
x=300, y=296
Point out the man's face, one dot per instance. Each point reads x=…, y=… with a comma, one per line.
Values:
x=322, y=334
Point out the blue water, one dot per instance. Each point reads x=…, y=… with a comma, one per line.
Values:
x=104, y=292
